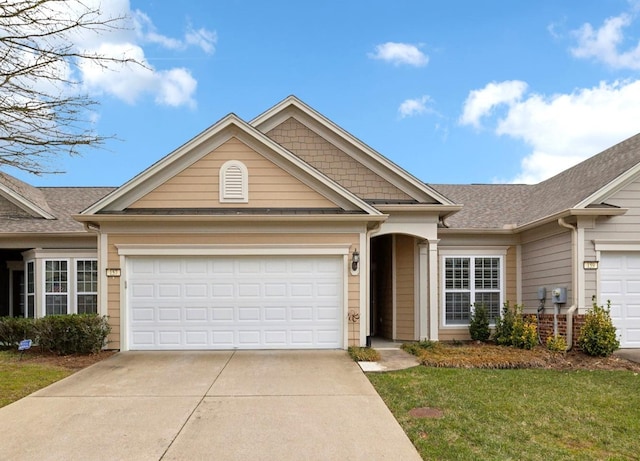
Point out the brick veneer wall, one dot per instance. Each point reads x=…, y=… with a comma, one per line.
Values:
x=545, y=326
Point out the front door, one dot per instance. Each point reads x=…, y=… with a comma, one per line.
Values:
x=17, y=294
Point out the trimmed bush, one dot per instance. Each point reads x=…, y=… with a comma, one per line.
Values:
x=556, y=344
x=363, y=354
x=15, y=329
x=515, y=329
x=479, y=323
x=598, y=335
x=72, y=334
x=504, y=325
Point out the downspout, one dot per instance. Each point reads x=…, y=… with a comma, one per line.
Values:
x=576, y=289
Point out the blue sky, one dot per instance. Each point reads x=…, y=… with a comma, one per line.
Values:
x=456, y=91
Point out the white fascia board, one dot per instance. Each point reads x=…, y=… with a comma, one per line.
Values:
x=611, y=188
x=27, y=205
x=373, y=159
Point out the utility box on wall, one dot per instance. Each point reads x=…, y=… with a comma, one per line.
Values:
x=559, y=295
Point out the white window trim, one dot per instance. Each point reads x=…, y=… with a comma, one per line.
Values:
x=243, y=197
x=499, y=253
x=45, y=293
x=77, y=292
x=39, y=258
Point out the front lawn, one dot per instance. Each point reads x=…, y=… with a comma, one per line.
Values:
x=22, y=375
x=19, y=379
x=519, y=414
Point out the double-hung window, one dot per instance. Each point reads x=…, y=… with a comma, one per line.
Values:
x=469, y=281
x=86, y=286
x=56, y=286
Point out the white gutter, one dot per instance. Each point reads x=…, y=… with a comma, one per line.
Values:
x=576, y=290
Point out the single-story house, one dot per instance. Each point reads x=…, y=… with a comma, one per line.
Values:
x=288, y=232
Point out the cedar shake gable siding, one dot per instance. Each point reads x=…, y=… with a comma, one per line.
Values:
x=334, y=163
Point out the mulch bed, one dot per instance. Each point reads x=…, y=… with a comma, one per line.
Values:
x=73, y=362
x=481, y=355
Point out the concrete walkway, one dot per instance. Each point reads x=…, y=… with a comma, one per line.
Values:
x=629, y=354
x=264, y=405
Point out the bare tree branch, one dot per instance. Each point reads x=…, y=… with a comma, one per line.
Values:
x=43, y=113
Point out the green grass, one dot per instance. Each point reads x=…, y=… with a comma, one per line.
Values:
x=19, y=379
x=528, y=414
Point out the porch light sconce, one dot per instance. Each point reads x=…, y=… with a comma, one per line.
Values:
x=113, y=272
x=355, y=262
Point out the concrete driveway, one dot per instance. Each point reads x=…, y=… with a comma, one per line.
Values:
x=263, y=405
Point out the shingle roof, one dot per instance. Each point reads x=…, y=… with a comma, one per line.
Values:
x=26, y=191
x=63, y=203
x=485, y=206
x=491, y=206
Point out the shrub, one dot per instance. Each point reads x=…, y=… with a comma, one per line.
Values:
x=514, y=329
x=479, y=323
x=525, y=332
x=504, y=325
x=72, y=334
x=15, y=329
x=419, y=347
x=598, y=335
x=363, y=354
x=556, y=344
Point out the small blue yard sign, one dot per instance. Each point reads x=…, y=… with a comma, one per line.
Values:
x=25, y=344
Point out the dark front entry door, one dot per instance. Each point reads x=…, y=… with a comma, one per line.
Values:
x=18, y=294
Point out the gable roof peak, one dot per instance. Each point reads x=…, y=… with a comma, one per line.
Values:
x=25, y=196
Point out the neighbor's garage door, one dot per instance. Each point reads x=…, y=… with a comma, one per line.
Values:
x=620, y=283
x=253, y=302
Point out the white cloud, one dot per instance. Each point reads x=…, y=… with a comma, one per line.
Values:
x=603, y=44
x=174, y=87
x=203, y=38
x=134, y=29
x=480, y=103
x=147, y=32
x=563, y=129
x=411, y=107
x=400, y=53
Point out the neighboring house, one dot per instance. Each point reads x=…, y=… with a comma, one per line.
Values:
x=288, y=232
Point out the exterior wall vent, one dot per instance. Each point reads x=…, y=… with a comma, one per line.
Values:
x=234, y=182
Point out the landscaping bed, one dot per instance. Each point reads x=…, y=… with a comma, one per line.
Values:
x=483, y=355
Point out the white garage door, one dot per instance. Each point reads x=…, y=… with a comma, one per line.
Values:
x=620, y=284
x=253, y=302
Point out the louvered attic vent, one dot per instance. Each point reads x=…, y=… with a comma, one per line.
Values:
x=234, y=182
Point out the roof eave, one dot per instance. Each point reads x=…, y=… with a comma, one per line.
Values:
x=97, y=218
x=572, y=212
x=442, y=210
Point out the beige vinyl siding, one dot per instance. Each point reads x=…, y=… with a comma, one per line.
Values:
x=546, y=262
x=113, y=284
x=405, y=293
x=623, y=228
x=511, y=276
x=198, y=185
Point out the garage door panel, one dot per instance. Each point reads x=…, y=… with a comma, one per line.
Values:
x=242, y=302
x=620, y=284
x=195, y=314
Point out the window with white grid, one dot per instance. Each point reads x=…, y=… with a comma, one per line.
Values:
x=469, y=281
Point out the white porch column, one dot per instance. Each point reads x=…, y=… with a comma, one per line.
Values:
x=433, y=290
x=428, y=290
x=423, y=291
